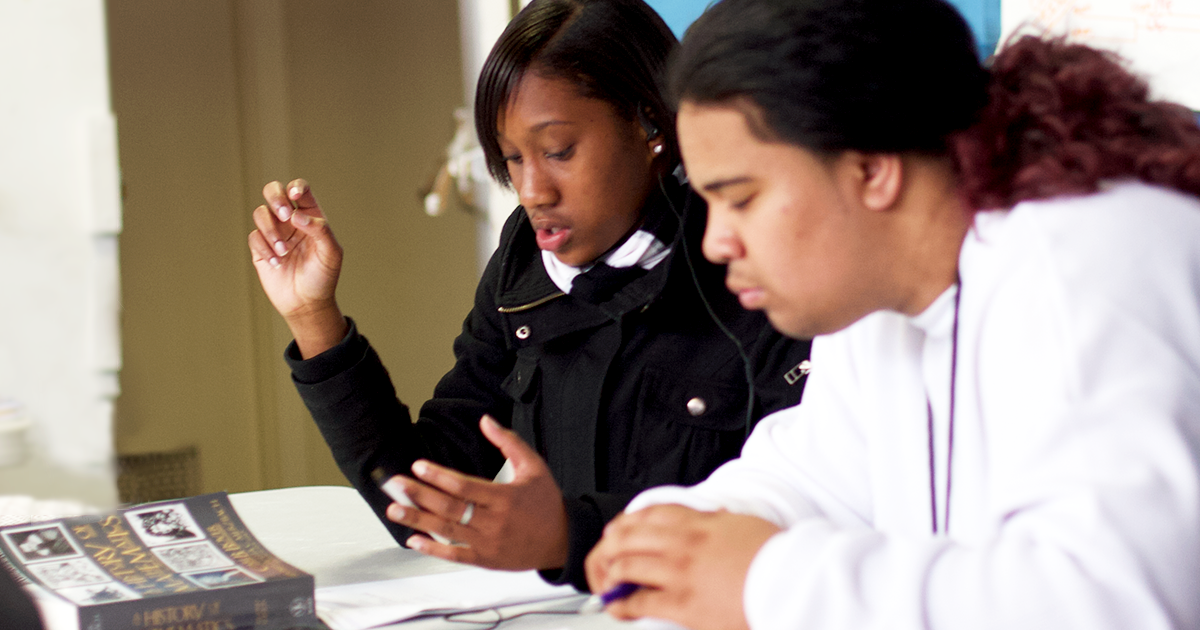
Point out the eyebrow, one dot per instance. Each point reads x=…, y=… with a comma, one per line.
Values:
x=542, y=125
x=538, y=127
x=716, y=186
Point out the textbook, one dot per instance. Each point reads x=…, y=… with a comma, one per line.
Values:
x=186, y=564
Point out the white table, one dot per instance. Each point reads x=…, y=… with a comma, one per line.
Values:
x=330, y=532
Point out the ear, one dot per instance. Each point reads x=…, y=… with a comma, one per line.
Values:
x=880, y=179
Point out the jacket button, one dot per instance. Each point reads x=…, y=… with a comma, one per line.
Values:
x=523, y=332
x=697, y=406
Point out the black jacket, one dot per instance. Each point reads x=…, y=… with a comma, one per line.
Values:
x=601, y=390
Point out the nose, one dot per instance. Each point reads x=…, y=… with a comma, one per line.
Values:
x=535, y=186
x=721, y=243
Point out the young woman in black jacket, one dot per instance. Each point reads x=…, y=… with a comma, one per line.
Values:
x=603, y=354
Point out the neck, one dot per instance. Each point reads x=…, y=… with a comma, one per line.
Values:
x=931, y=235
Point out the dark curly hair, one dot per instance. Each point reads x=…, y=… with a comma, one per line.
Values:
x=1062, y=117
x=902, y=76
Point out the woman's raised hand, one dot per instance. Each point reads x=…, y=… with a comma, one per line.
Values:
x=298, y=261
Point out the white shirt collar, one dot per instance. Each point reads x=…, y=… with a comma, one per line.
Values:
x=642, y=249
x=937, y=319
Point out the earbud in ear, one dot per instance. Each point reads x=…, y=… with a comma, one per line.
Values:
x=652, y=131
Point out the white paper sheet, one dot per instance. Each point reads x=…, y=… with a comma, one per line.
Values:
x=372, y=604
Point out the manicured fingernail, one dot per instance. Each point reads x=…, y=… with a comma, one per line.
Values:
x=280, y=248
x=420, y=468
x=415, y=542
x=274, y=262
x=297, y=191
x=284, y=212
x=301, y=219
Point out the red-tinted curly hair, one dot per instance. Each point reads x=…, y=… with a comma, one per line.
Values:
x=1062, y=117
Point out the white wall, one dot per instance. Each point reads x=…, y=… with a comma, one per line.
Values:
x=59, y=217
x=480, y=24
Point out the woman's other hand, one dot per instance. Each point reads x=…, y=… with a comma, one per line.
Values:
x=516, y=526
x=298, y=261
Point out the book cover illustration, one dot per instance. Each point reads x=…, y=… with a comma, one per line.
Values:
x=188, y=564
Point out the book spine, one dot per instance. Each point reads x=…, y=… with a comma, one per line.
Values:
x=273, y=605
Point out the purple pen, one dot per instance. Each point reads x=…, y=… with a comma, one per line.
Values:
x=620, y=591
x=597, y=603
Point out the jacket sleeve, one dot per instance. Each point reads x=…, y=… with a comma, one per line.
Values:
x=350, y=396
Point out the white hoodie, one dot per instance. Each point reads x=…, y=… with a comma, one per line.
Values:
x=1075, y=491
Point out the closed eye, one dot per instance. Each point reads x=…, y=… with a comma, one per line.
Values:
x=514, y=158
x=565, y=154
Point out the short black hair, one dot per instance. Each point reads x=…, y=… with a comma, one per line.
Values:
x=888, y=76
x=613, y=50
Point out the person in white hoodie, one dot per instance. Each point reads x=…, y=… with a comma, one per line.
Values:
x=1001, y=270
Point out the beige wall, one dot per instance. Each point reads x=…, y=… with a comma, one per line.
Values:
x=215, y=97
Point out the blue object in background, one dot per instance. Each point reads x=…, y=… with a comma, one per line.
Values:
x=679, y=14
x=982, y=15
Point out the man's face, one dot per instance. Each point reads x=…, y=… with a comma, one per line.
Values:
x=786, y=221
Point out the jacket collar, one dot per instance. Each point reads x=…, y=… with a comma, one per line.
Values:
x=525, y=285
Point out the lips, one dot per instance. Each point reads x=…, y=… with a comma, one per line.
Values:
x=552, y=239
x=751, y=297
x=551, y=236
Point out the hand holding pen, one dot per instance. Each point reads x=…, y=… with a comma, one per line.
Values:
x=600, y=601
x=688, y=566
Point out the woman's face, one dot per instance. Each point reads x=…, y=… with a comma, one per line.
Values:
x=581, y=171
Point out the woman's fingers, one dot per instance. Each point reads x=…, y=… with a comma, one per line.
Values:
x=453, y=483
x=525, y=461
x=455, y=553
x=293, y=212
x=260, y=252
x=300, y=195
x=507, y=526
x=277, y=201
x=274, y=233
x=443, y=513
x=438, y=501
x=428, y=522
x=518, y=525
x=307, y=216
